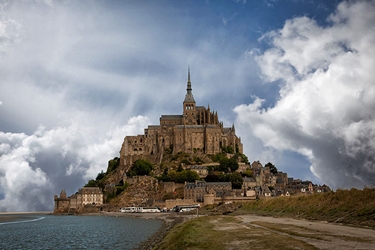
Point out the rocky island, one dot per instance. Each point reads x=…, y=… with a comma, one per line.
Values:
x=187, y=159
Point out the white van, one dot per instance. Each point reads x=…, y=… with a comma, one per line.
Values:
x=148, y=210
x=128, y=210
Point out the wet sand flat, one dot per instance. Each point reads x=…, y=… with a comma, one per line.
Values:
x=17, y=216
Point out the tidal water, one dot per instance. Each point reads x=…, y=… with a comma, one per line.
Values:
x=39, y=231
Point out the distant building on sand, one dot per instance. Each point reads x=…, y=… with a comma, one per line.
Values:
x=87, y=199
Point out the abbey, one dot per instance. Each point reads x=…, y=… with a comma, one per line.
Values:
x=197, y=129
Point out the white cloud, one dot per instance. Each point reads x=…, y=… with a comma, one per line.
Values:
x=9, y=33
x=35, y=167
x=326, y=104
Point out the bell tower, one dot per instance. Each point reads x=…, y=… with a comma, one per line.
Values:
x=189, y=111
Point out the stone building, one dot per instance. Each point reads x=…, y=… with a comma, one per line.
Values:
x=61, y=203
x=76, y=203
x=197, y=190
x=197, y=129
x=89, y=195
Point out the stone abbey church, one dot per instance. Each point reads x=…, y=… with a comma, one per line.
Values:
x=196, y=130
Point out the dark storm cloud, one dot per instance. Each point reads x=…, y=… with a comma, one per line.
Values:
x=36, y=167
x=325, y=108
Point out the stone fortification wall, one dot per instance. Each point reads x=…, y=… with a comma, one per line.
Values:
x=126, y=161
x=209, y=199
x=168, y=187
x=139, y=178
x=61, y=205
x=92, y=209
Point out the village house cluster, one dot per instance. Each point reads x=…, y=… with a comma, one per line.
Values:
x=262, y=184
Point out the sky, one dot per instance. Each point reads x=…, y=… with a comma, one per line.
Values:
x=295, y=77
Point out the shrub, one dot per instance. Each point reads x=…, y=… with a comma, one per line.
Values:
x=140, y=167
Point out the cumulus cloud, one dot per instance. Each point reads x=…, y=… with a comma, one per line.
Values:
x=33, y=167
x=326, y=100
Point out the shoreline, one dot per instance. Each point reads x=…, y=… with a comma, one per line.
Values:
x=170, y=220
x=6, y=217
x=36, y=212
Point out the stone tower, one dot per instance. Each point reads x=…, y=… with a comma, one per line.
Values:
x=189, y=106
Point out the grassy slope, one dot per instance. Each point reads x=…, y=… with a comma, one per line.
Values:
x=224, y=232
x=356, y=207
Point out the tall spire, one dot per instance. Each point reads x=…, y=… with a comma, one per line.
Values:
x=189, y=74
x=189, y=95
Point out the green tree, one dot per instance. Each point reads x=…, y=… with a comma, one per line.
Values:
x=181, y=176
x=113, y=164
x=100, y=176
x=224, y=177
x=248, y=173
x=217, y=157
x=212, y=178
x=236, y=180
x=140, y=167
x=232, y=164
x=245, y=159
x=272, y=168
x=184, y=175
x=227, y=165
x=224, y=165
x=227, y=149
x=191, y=176
x=180, y=169
x=91, y=183
x=172, y=175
